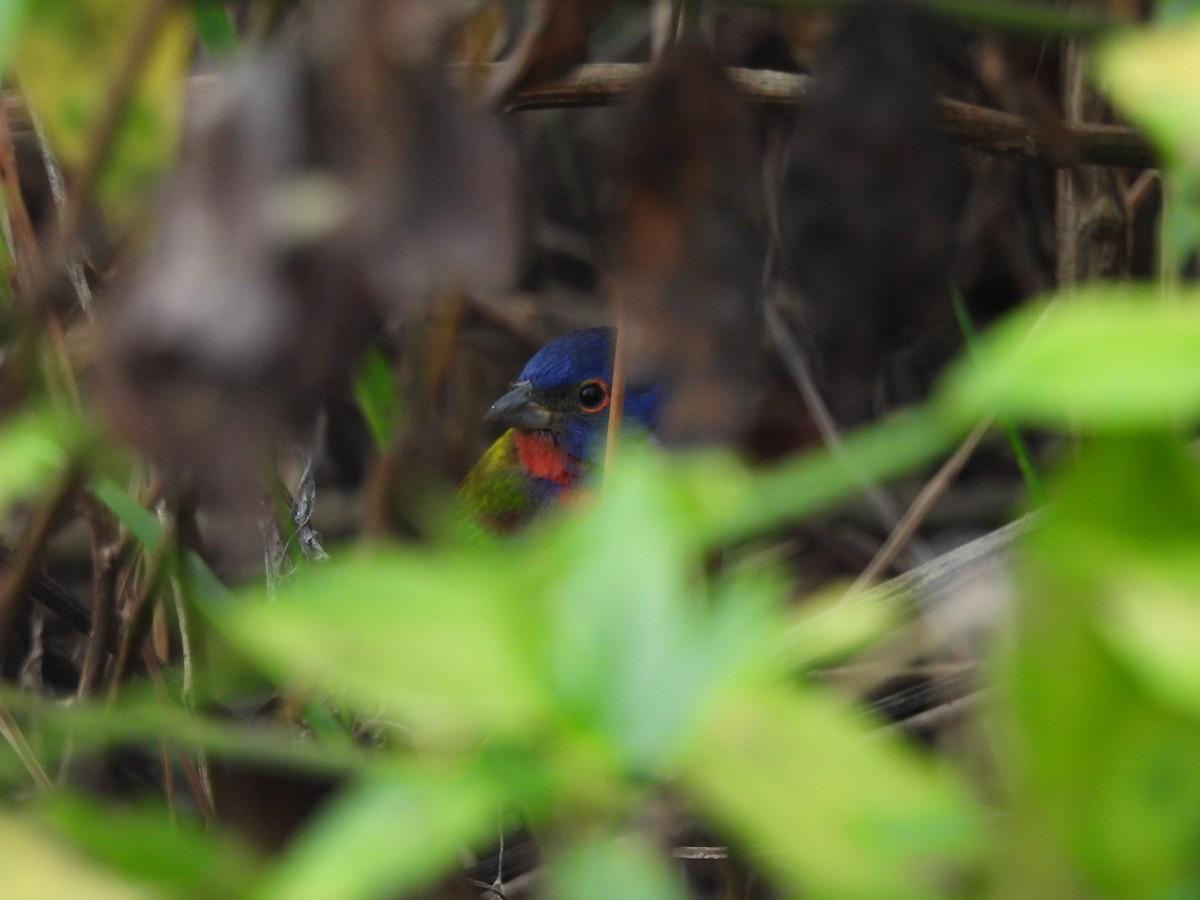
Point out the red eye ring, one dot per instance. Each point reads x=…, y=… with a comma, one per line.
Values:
x=593, y=396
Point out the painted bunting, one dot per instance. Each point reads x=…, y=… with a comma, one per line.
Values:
x=557, y=413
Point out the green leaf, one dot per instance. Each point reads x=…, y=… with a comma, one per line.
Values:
x=215, y=28
x=599, y=869
x=389, y=834
x=44, y=867
x=12, y=20
x=722, y=500
x=634, y=651
x=143, y=720
x=1110, y=357
x=830, y=627
x=142, y=524
x=829, y=808
x=35, y=447
x=439, y=641
x=1155, y=630
x=1105, y=781
x=69, y=59
x=148, y=531
x=1151, y=74
x=375, y=391
x=146, y=845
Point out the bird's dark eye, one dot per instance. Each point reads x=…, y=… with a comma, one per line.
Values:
x=593, y=396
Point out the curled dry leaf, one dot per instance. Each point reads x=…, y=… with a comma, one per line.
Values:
x=688, y=243
x=871, y=199
x=332, y=183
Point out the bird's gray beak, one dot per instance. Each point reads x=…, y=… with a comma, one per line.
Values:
x=518, y=409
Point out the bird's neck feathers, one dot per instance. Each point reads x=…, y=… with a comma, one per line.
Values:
x=541, y=457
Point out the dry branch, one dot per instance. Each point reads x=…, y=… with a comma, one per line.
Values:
x=979, y=127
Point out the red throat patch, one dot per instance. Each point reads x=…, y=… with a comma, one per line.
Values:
x=542, y=458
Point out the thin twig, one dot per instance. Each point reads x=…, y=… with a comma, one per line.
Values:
x=27, y=253
x=616, y=403
x=101, y=639
x=11, y=732
x=58, y=190
x=937, y=715
x=139, y=615
x=919, y=509
x=700, y=853
x=794, y=360
x=105, y=550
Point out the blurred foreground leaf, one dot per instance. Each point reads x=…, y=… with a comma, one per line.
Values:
x=146, y=845
x=634, y=648
x=1112, y=356
x=145, y=720
x=387, y=834
x=599, y=869
x=1105, y=776
x=12, y=18
x=1151, y=74
x=720, y=499
x=1155, y=630
x=821, y=799
x=42, y=867
x=439, y=642
x=34, y=447
x=830, y=627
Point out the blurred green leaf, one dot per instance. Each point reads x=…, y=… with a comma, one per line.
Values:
x=35, y=447
x=145, y=719
x=142, y=524
x=215, y=28
x=68, y=62
x=144, y=844
x=12, y=19
x=438, y=641
x=721, y=500
x=1166, y=11
x=377, y=396
x=42, y=867
x=832, y=809
x=1113, y=356
x=1151, y=74
x=830, y=627
x=634, y=650
x=1155, y=630
x=388, y=834
x=1104, y=775
x=599, y=869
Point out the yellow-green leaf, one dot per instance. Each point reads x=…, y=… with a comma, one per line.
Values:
x=1152, y=74
x=1111, y=357
x=828, y=807
x=69, y=59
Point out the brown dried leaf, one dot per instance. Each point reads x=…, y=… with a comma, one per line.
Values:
x=871, y=199
x=688, y=245
x=333, y=183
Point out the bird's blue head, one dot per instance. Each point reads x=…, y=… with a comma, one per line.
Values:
x=562, y=395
